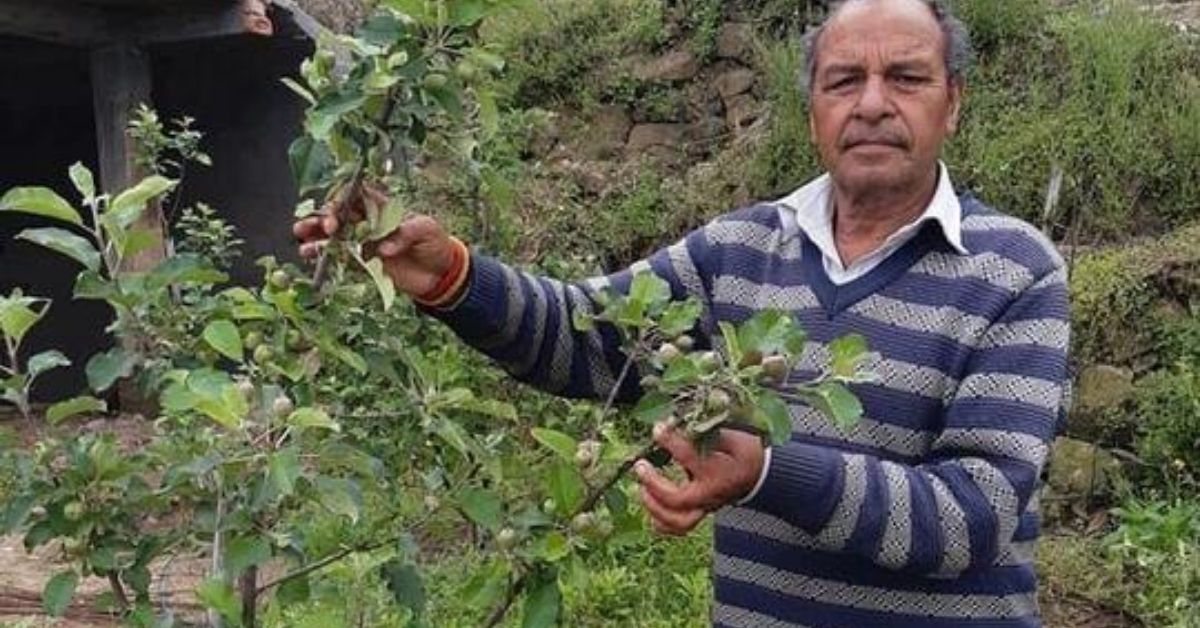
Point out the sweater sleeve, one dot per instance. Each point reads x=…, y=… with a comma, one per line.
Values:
x=958, y=510
x=525, y=322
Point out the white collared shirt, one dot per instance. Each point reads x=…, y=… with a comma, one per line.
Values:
x=809, y=210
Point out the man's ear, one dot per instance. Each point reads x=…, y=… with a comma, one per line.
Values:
x=956, y=93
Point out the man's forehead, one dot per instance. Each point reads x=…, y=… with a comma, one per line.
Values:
x=903, y=30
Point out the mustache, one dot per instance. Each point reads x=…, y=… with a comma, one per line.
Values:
x=873, y=136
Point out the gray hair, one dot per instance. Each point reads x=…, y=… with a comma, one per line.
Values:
x=959, y=53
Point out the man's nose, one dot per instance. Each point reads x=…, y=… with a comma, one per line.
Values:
x=874, y=101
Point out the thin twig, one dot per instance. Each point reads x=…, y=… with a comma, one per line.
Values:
x=497, y=614
x=343, y=553
x=352, y=190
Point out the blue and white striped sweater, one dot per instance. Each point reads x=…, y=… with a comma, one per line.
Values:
x=925, y=513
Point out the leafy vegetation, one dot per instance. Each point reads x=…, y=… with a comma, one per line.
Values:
x=320, y=425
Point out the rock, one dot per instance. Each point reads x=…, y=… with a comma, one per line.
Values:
x=706, y=134
x=735, y=40
x=741, y=111
x=1102, y=386
x=734, y=82
x=645, y=137
x=677, y=65
x=607, y=133
x=1080, y=469
x=546, y=136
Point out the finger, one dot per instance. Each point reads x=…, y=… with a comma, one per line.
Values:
x=330, y=223
x=309, y=228
x=669, y=520
x=394, y=244
x=680, y=448
x=666, y=492
x=311, y=250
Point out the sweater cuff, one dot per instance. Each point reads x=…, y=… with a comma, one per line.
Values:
x=479, y=312
x=762, y=477
x=802, y=485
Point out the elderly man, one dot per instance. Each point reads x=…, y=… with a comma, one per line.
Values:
x=925, y=514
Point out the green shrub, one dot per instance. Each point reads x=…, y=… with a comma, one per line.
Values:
x=785, y=158
x=995, y=25
x=554, y=47
x=1168, y=416
x=1113, y=301
x=1158, y=542
x=1108, y=94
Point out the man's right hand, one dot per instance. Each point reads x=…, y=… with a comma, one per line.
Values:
x=415, y=255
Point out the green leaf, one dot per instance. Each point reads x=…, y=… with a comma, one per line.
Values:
x=340, y=496
x=489, y=113
x=14, y=513
x=183, y=269
x=682, y=370
x=90, y=285
x=216, y=594
x=543, y=604
x=404, y=581
x=17, y=315
x=769, y=332
x=66, y=409
x=311, y=162
x=846, y=355
x=452, y=433
x=552, y=547
x=383, y=283
x=39, y=201
x=309, y=417
x=46, y=361
x=773, y=413
x=299, y=89
x=838, y=403
x=66, y=243
x=733, y=346
x=128, y=206
x=329, y=111
x=679, y=317
x=84, y=182
x=224, y=336
x=481, y=506
x=565, y=486
x=490, y=407
x=465, y=13
x=104, y=369
x=59, y=590
x=653, y=407
x=241, y=553
x=583, y=321
x=649, y=290
x=283, y=469
x=556, y=441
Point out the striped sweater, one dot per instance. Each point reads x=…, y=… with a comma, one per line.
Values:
x=926, y=512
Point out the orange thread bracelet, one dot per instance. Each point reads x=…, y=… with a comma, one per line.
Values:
x=453, y=278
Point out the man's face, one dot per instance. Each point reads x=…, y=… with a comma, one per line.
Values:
x=882, y=102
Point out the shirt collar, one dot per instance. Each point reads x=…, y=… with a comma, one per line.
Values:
x=809, y=210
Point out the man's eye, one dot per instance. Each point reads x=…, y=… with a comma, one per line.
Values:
x=840, y=83
x=910, y=79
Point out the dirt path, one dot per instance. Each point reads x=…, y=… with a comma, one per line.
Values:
x=24, y=574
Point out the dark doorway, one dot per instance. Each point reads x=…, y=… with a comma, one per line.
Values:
x=46, y=124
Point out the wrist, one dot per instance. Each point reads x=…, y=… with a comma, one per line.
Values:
x=452, y=281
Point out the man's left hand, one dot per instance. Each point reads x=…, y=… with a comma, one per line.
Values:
x=723, y=475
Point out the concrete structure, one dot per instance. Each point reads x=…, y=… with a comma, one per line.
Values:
x=76, y=68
